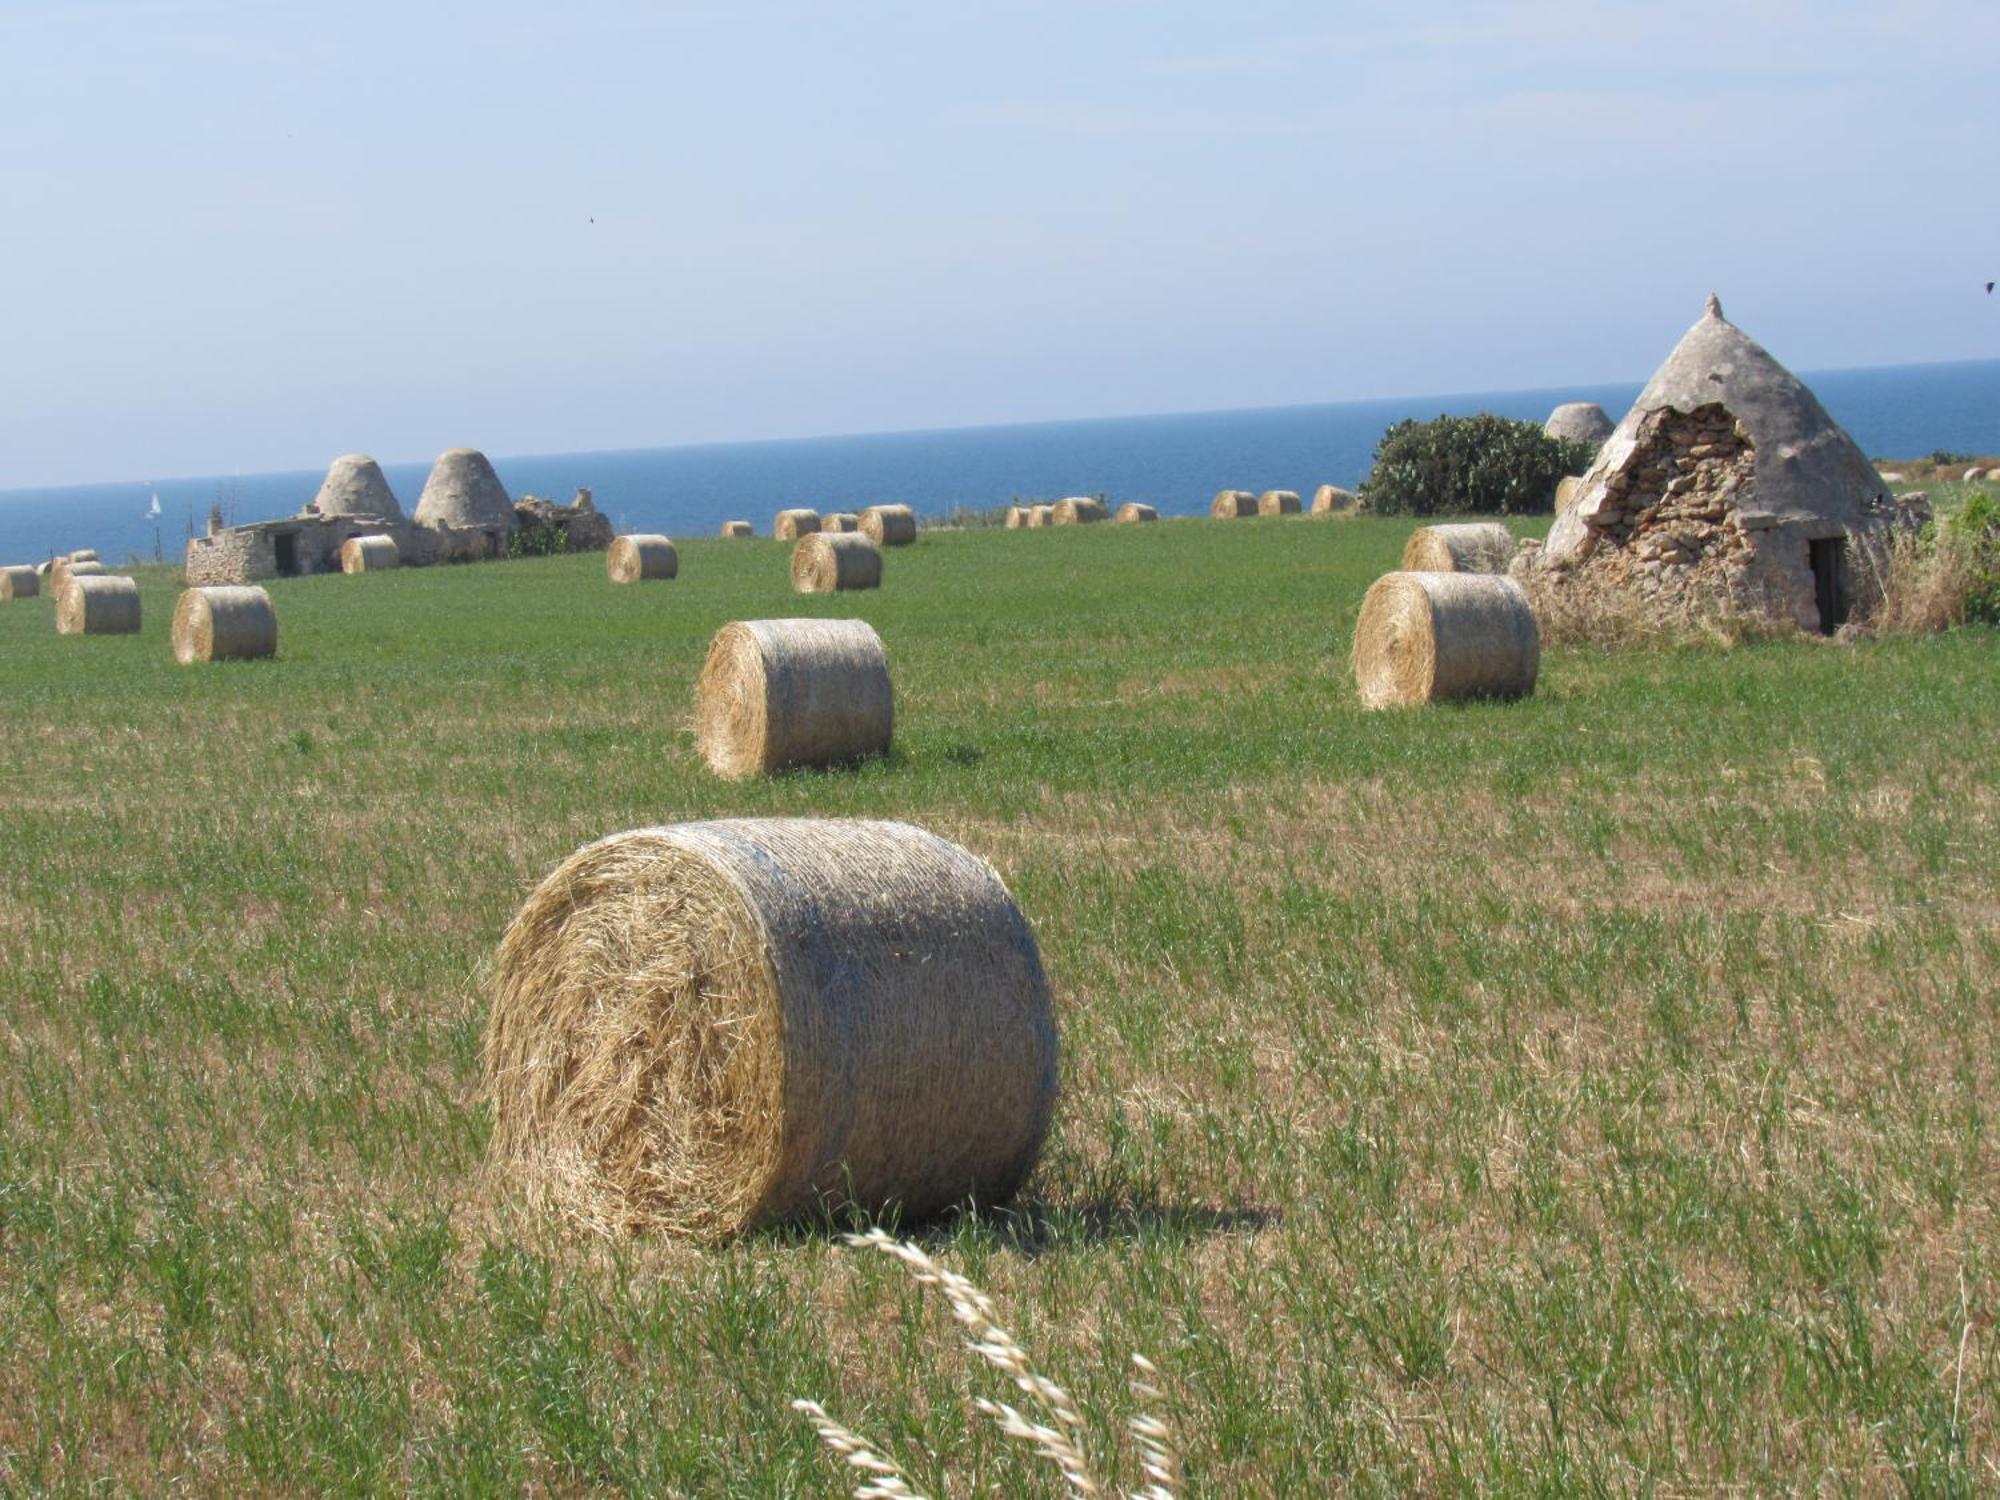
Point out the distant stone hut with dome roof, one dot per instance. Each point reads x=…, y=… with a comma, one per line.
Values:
x=463, y=515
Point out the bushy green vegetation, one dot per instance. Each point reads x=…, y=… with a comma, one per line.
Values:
x=1592, y=1093
x=1456, y=465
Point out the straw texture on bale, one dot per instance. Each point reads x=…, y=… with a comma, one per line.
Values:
x=775, y=695
x=1017, y=517
x=840, y=520
x=1132, y=510
x=1230, y=504
x=894, y=525
x=1473, y=547
x=229, y=622
x=463, y=491
x=790, y=525
x=827, y=563
x=97, y=604
x=1428, y=637
x=19, y=583
x=737, y=528
x=708, y=1028
x=1041, y=515
x=1278, y=503
x=1079, y=510
x=46, y=569
x=632, y=559
x=369, y=554
x=67, y=568
x=83, y=554
x=1332, y=500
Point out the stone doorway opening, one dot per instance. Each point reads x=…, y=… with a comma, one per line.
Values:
x=1828, y=556
x=286, y=545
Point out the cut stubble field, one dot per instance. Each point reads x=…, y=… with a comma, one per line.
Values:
x=1593, y=1092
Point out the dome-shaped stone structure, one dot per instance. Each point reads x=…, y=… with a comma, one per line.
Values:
x=1579, y=422
x=354, y=486
x=464, y=491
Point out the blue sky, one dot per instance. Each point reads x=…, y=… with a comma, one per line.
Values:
x=246, y=236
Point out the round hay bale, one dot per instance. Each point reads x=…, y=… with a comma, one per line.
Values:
x=1332, y=500
x=1017, y=516
x=229, y=622
x=1473, y=547
x=1427, y=637
x=1278, y=503
x=709, y=1028
x=1132, y=511
x=895, y=525
x=20, y=583
x=632, y=559
x=827, y=563
x=790, y=525
x=1041, y=515
x=840, y=521
x=83, y=554
x=775, y=695
x=1079, y=510
x=1579, y=422
x=47, y=570
x=97, y=604
x=369, y=554
x=1230, y=504
x=67, y=568
x=737, y=528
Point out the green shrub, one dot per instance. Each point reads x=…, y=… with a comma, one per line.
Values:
x=1975, y=532
x=1486, y=465
x=536, y=541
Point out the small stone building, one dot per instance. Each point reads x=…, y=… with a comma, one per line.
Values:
x=1726, y=489
x=465, y=515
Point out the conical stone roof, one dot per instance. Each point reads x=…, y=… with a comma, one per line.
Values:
x=354, y=486
x=463, y=490
x=1579, y=421
x=1806, y=467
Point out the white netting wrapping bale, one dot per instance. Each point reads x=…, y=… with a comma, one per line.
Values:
x=711, y=1027
x=634, y=559
x=1471, y=547
x=97, y=604
x=775, y=695
x=830, y=562
x=226, y=622
x=894, y=525
x=1430, y=637
x=369, y=554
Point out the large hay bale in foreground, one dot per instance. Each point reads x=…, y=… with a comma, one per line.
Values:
x=775, y=695
x=1332, y=500
x=20, y=583
x=1475, y=547
x=97, y=604
x=790, y=525
x=1079, y=510
x=632, y=559
x=894, y=525
x=1132, y=511
x=737, y=529
x=369, y=554
x=1228, y=505
x=1278, y=503
x=827, y=563
x=708, y=1028
x=227, y=622
x=1426, y=637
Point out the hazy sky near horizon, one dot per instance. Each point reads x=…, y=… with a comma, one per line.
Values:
x=247, y=236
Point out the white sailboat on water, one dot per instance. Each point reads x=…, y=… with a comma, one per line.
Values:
x=153, y=511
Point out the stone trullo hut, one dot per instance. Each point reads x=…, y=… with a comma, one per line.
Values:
x=1579, y=422
x=1727, y=489
x=464, y=491
x=354, y=486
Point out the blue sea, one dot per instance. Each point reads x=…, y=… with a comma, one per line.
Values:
x=1174, y=462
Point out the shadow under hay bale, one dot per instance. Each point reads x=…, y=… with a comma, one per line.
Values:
x=737, y=529
x=1079, y=510
x=20, y=583
x=829, y=563
x=1432, y=637
x=97, y=604
x=227, y=622
x=895, y=525
x=634, y=559
x=790, y=525
x=1474, y=547
x=1278, y=503
x=776, y=695
x=369, y=554
x=1132, y=512
x=1229, y=505
x=712, y=1027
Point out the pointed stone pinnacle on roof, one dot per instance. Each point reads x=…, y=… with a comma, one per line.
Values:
x=1714, y=305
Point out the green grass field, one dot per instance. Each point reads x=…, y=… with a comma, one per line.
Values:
x=1591, y=1093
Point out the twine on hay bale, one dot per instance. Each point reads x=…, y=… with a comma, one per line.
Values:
x=827, y=563
x=1430, y=637
x=228, y=622
x=1475, y=547
x=775, y=695
x=1332, y=500
x=712, y=1027
x=790, y=525
x=894, y=525
x=369, y=554
x=1041, y=515
x=1278, y=503
x=1132, y=511
x=737, y=528
x=20, y=583
x=1228, y=505
x=97, y=604
x=632, y=559
x=1079, y=510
